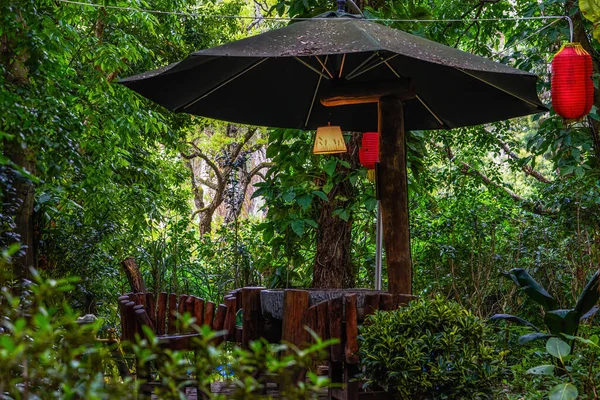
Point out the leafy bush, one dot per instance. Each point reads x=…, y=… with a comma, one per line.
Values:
x=558, y=321
x=433, y=349
x=45, y=353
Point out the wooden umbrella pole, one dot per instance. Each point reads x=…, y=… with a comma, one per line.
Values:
x=393, y=192
x=392, y=178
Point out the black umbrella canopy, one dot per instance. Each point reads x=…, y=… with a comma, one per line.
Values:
x=278, y=78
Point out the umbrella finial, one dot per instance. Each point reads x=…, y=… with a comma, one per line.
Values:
x=341, y=5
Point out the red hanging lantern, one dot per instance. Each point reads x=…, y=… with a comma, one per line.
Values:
x=369, y=152
x=572, y=85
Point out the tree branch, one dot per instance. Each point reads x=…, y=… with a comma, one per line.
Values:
x=238, y=149
x=210, y=184
x=260, y=166
x=467, y=169
x=525, y=167
x=211, y=164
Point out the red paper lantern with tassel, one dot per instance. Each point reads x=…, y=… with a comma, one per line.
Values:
x=572, y=85
x=369, y=152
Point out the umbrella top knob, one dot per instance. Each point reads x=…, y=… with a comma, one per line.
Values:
x=341, y=5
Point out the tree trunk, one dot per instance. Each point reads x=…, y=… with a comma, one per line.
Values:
x=333, y=267
x=18, y=193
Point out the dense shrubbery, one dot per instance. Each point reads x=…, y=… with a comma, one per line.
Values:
x=433, y=349
x=45, y=353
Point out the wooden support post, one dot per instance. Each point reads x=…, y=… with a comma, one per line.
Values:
x=172, y=313
x=132, y=271
x=321, y=329
x=336, y=314
x=295, y=303
x=198, y=312
x=143, y=319
x=310, y=319
x=252, y=315
x=209, y=312
x=402, y=300
x=140, y=298
x=161, y=313
x=371, y=304
x=123, y=300
x=219, y=321
x=351, y=385
x=386, y=302
x=393, y=192
x=351, y=348
x=132, y=325
x=151, y=307
x=230, y=302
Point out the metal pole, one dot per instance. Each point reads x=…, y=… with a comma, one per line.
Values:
x=379, y=245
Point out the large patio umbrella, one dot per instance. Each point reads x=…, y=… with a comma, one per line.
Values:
x=344, y=70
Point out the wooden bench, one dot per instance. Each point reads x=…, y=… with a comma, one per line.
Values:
x=163, y=316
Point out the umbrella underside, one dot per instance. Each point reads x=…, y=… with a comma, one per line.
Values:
x=276, y=79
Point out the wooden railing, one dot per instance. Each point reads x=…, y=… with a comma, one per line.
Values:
x=338, y=318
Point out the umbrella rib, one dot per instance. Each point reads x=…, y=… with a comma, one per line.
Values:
x=312, y=103
x=431, y=112
x=342, y=66
x=311, y=67
x=361, y=64
x=371, y=67
x=497, y=87
x=323, y=65
x=439, y=120
x=222, y=84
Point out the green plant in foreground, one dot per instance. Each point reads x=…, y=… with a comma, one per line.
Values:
x=571, y=369
x=558, y=321
x=45, y=353
x=433, y=349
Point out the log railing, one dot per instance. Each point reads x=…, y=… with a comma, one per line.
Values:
x=337, y=318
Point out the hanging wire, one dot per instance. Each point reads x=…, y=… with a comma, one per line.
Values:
x=200, y=15
x=531, y=35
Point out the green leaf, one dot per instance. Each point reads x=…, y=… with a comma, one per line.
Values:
x=272, y=151
x=533, y=289
x=289, y=196
x=564, y=391
x=589, y=296
x=541, y=370
x=513, y=318
x=268, y=233
x=352, y=179
x=330, y=166
x=591, y=11
x=344, y=215
x=562, y=321
x=558, y=348
x=533, y=336
x=321, y=195
x=311, y=222
x=304, y=201
x=298, y=227
x=344, y=164
x=370, y=203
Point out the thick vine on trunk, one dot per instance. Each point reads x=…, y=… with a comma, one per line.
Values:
x=333, y=267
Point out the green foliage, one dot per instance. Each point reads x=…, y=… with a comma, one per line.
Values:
x=432, y=349
x=591, y=10
x=558, y=321
x=45, y=353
